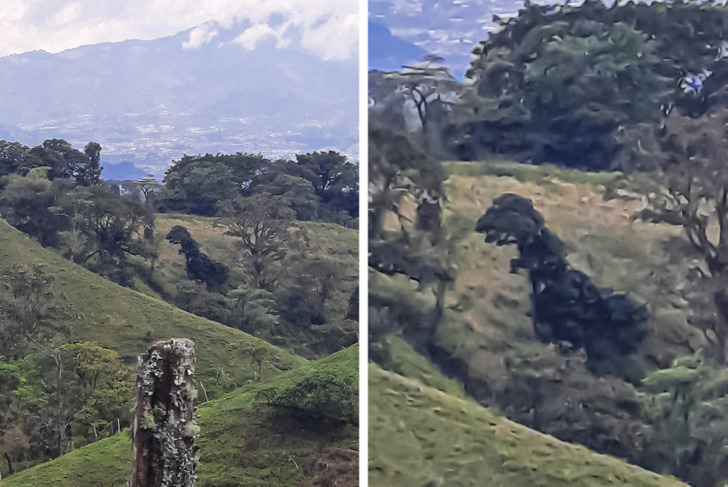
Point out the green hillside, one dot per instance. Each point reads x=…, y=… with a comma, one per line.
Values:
x=425, y=437
x=129, y=322
x=243, y=441
x=486, y=322
x=487, y=317
x=335, y=245
x=423, y=430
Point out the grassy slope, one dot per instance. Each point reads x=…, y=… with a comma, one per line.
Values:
x=170, y=266
x=421, y=431
x=243, y=442
x=487, y=315
x=129, y=322
x=337, y=244
x=405, y=361
x=421, y=436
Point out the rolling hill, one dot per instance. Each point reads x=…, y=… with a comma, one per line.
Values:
x=129, y=322
x=244, y=439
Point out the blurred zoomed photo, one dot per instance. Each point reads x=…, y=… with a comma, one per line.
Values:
x=548, y=243
x=179, y=209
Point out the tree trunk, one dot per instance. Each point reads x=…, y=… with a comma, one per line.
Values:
x=721, y=330
x=164, y=430
x=60, y=423
x=11, y=470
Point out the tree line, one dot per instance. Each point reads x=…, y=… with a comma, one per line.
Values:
x=319, y=186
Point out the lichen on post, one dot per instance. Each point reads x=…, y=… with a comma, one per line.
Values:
x=164, y=429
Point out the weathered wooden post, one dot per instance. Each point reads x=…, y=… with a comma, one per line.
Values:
x=164, y=430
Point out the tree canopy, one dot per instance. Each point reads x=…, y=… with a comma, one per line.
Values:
x=319, y=186
x=583, y=86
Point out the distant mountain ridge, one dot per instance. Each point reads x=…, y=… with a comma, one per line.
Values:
x=149, y=102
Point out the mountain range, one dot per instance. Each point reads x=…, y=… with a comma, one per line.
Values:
x=202, y=90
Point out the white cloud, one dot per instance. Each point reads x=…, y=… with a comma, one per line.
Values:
x=251, y=36
x=333, y=40
x=68, y=13
x=329, y=28
x=201, y=35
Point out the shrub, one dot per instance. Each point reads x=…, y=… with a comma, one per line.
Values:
x=322, y=396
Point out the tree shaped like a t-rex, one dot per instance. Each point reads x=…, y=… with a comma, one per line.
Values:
x=566, y=305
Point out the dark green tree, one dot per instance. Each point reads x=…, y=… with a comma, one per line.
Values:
x=13, y=444
x=353, y=311
x=106, y=229
x=322, y=396
x=556, y=395
x=198, y=184
x=687, y=407
x=305, y=291
x=63, y=160
x=89, y=173
x=404, y=244
x=298, y=193
x=253, y=310
x=15, y=158
x=199, y=266
x=559, y=86
x=692, y=193
x=197, y=189
x=73, y=394
x=335, y=181
x=31, y=204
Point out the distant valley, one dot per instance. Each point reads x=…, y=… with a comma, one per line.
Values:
x=150, y=102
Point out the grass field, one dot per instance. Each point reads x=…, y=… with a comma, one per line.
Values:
x=488, y=307
x=421, y=436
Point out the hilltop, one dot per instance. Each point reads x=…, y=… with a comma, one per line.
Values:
x=70, y=337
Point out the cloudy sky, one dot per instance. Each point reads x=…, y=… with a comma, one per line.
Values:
x=329, y=28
